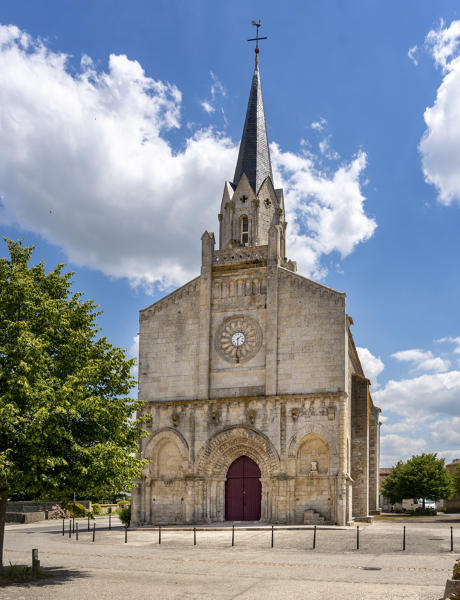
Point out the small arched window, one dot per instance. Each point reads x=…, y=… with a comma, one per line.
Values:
x=244, y=231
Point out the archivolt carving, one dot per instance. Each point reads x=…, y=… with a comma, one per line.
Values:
x=216, y=456
x=298, y=437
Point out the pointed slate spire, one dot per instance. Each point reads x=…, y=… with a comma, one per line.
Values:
x=254, y=154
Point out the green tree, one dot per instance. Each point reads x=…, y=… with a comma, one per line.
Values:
x=66, y=423
x=457, y=479
x=392, y=485
x=422, y=476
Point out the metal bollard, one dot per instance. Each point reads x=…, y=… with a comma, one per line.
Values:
x=70, y=528
x=404, y=538
x=63, y=526
x=194, y=536
x=73, y=524
x=273, y=535
x=88, y=522
x=77, y=532
x=94, y=531
x=126, y=534
x=35, y=562
x=110, y=522
x=357, y=537
x=451, y=538
x=233, y=535
x=314, y=538
x=159, y=534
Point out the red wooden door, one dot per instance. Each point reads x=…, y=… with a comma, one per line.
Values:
x=243, y=491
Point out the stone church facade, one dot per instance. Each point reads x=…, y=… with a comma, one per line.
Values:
x=258, y=404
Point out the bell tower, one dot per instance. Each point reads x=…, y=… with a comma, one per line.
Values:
x=250, y=203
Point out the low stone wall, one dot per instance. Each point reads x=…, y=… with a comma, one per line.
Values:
x=24, y=506
x=105, y=508
x=25, y=517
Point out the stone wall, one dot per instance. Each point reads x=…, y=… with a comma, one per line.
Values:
x=293, y=439
x=168, y=344
x=293, y=400
x=360, y=407
x=311, y=327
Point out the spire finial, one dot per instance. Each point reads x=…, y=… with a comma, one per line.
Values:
x=257, y=38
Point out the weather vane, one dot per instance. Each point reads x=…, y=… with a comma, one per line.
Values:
x=257, y=38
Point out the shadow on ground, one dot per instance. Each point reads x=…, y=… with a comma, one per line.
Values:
x=55, y=576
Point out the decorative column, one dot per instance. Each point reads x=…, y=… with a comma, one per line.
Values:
x=271, y=340
x=342, y=473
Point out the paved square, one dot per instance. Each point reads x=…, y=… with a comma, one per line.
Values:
x=213, y=569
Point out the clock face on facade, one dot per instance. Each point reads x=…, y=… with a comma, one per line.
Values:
x=238, y=338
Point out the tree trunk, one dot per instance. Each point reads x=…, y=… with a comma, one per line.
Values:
x=3, y=500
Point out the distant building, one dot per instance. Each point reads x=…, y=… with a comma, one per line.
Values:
x=385, y=504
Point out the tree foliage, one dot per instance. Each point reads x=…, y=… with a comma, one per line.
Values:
x=422, y=476
x=66, y=423
x=457, y=479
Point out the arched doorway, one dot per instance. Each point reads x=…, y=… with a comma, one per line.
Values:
x=243, y=491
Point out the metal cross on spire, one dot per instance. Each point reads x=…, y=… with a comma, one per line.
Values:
x=257, y=38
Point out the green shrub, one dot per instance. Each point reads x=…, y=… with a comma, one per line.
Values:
x=109, y=510
x=76, y=509
x=97, y=510
x=21, y=574
x=125, y=515
x=427, y=512
x=456, y=574
x=123, y=503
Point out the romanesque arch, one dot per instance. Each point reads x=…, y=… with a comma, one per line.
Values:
x=313, y=455
x=216, y=456
x=155, y=447
x=324, y=432
x=165, y=477
x=315, y=485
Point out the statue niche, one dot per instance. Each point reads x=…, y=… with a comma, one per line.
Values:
x=313, y=456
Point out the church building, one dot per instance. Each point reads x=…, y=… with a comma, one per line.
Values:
x=259, y=407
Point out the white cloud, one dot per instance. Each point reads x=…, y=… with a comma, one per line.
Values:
x=86, y=162
x=422, y=360
x=207, y=107
x=133, y=352
x=451, y=340
x=436, y=393
x=440, y=144
x=395, y=447
x=319, y=125
x=325, y=213
x=326, y=150
x=372, y=365
x=217, y=89
x=413, y=54
x=439, y=428
x=443, y=43
x=414, y=435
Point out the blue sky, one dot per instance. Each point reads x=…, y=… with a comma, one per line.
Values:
x=119, y=123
